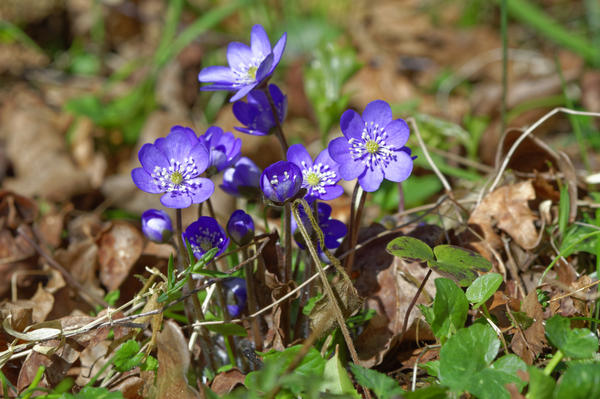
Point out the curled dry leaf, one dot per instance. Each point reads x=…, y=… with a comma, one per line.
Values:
x=119, y=249
x=507, y=209
x=225, y=382
x=173, y=363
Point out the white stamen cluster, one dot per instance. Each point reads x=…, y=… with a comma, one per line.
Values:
x=275, y=179
x=205, y=240
x=317, y=176
x=371, y=147
x=245, y=73
x=176, y=176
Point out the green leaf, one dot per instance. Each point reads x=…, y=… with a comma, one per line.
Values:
x=450, y=308
x=465, y=364
x=430, y=392
x=483, y=288
x=336, y=379
x=580, y=381
x=466, y=353
x=228, y=329
x=576, y=240
x=409, y=247
x=383, y=386
x=432, y=367
x=150, y=364
x=541, y=385
x=94, y=393
x=128, y=356
x=579, y=343
x=459, y=263
x=112, y=297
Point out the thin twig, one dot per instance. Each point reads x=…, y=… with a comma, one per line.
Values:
x=416, y=366
x=412, y=303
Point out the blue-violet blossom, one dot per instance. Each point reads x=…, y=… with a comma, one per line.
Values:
x=240, y=227
x=332, y=229
x=224, y=148
x=243, y=179
x=237, y=287
x=248, y=66
x=156, y=225
x=256, y=114
x=172, y=165
x=318, y=177
x=372, y=147
x=205, y=234
x=281, y=181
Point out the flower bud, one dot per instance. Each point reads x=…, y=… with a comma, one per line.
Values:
x=240, y=227
x=156, y=225
x=281, y=181
x=237, y=294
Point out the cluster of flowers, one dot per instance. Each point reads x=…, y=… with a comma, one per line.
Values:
x=181, y=164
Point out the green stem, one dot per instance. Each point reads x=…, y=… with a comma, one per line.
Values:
x=355, y=224
x=553, y=362
x=34, y=383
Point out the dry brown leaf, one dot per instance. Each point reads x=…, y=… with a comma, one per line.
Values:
x=119, y=249
x=173, y=362
x=507, y=209
x=92, y=358
x=130, y=387
x=43, y=302
x=532, y=341
x=227, y=381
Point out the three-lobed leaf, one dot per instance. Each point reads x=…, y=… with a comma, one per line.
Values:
x=450, y=308
x=409, y=247
x=459, y=263
x=580, y=381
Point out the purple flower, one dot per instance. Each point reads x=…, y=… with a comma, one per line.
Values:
x=372, y=147
x=333, y=229
x=256, y=113
x=237, y=287
x=156, y=225
x=281, y=181
x=205, y=234
x=172, y=165
x=240, y=227
x=318, y=177
x=248, y=66
x=243, y=179
x=224, y=148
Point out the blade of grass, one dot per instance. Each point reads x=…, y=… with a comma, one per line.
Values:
x=574, y=119
x=533, y=16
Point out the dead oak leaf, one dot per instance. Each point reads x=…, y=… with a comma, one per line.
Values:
x=118, y=250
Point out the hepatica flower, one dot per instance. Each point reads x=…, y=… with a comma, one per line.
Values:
x=318, y=177
x=224, y=148
x=236, y=293
x=333, y=229
x=256, y=114
x=173, y=165
x=243, y=179
x=156, y=225
x=372, y=147
x=240, y=227
x=281, y=181
x=205, y=234
x=248, y=66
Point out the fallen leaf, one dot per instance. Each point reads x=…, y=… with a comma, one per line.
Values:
x=225, y=382
x=118, y=250
x=173, y=363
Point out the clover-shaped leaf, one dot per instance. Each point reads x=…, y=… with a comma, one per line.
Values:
x=455, y=262
x=578, y=343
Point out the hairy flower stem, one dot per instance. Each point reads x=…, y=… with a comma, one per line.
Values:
x=193, y=309
x=355, y=218
x=287, y=262
x=329, y=291
x=278, y=128
x=211, y=210
x=412, y=303
x=222, y=304
x=252, y=306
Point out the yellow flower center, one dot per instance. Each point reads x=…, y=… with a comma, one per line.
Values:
x=252, y=72
x=371, y=146
x=313, y=179
x=176, y=178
